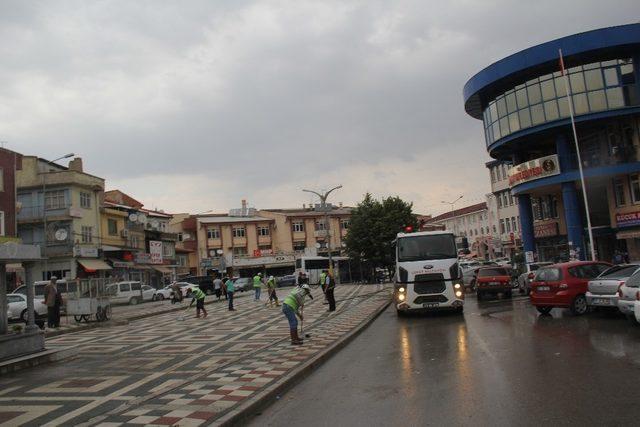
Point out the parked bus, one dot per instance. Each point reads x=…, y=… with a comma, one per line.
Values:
x=428, y=276
x=312, y=266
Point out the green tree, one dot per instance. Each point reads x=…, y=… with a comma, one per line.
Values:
x=373, y=227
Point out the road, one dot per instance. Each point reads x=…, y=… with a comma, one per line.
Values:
x=499, y=364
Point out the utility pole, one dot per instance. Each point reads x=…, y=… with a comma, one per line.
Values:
x=455, y=233
x=323, y=206
x=44, y=210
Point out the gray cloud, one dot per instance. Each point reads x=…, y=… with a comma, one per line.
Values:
x=194, y=105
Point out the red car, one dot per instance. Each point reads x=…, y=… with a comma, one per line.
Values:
x=564, y=285
x=492, y=280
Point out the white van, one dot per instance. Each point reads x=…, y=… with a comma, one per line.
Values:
x=129, y=292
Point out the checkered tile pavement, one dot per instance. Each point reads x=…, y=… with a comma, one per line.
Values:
x=163, y=371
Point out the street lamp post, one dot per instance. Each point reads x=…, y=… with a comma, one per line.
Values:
x=452, y=216
x=44, y=210
x=323, y=205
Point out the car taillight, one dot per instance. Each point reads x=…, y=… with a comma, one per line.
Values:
x=530, y=277
x=638, y=296
x=620, y=289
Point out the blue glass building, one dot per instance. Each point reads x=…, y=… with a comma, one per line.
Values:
x=523, y=103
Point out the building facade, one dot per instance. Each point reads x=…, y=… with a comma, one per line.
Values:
x=60, y=211
x=523, y=103
x=505, y=217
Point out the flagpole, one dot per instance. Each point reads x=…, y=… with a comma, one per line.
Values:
x=575, y=140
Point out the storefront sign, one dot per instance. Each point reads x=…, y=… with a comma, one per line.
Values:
x=206, y=262
x=534, y=169
x=121, y=264
x=545, y=230
x=142, y=258
x=85, y=251
x=630, y=219
x=262, y=252
x=528, y=257
x=155, y=251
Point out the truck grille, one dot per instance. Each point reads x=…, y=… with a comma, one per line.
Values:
x=430, y=298
x=429, y=284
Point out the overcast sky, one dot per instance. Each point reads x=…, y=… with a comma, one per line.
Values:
x=191, y=106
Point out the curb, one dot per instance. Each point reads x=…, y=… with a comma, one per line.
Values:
x=266, y=397
x=36, y=359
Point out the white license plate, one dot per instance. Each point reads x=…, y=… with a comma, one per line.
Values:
x=430, y=304
x=494, y=283
x=601, y=301
x=544, y=288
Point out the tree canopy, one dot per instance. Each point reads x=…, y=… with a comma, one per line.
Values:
x=373, y=227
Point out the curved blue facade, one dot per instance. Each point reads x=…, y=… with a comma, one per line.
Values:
x=524, y=102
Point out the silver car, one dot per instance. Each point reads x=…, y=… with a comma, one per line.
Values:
x=627, y=295
x=525, y=279
x=603, y=290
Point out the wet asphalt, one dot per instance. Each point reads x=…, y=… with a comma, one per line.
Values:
x=501, y=363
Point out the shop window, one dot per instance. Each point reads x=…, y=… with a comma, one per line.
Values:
x=618, y=191
x=634, y=184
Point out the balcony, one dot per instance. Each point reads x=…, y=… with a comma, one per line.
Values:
x=190, y=224
x=264, y=240
x=27, y=214
x=320, y=233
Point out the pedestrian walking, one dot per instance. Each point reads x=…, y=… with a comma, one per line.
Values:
x=292, y=306
x=50, y=296
x=217, y=286
x=271, y=289
x=330, y=287
x=229, y=285
x=177, y=293
x=257, y=285
x=198, y=298
x=224, y=287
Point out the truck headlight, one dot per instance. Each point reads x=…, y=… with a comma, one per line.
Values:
x=459, y=294
x=457, y=286
x=401, y=290
x=400, y=297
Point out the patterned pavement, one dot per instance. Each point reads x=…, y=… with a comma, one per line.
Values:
x=163, y=371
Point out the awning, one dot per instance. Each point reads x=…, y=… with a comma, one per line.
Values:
x=628, y=234
x=93, y=265
x=161, y=269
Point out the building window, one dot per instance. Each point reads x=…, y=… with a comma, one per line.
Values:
x=240, y=251
x=134, y=242
x=168, y=250
x=508, y=225
x=493, y=174
x=86, y=234
x=320, y=225
x=299, y=246
x=214, y=233
x=1, y=179
x=265, y=249
x=514, y=226
x=85, y=200
x=499, y=197
x=634, y=184
x=618, y=191
x=112, y=226
x=495, y=230
x=344, y=224
x=54, y=200
x=502, y=226
x=239, y=232
x=263, y=231
x=2, y=229
x=180, y=237
x=510, y=198
x=298, y=226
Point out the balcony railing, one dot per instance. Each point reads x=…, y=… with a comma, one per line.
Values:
x=35, y=213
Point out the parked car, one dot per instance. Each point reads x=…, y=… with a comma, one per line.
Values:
x=185, y=287
x=205, y=283
x=629, y=297
x=17, y=307
x=525, y=279
x=243, y=284
x=164, y=293
x=283, y=281
x=603, y=290
x=564, y=285
x=38, y=288
x=503, y=262
x=129, y=292
x=469, y=279
x=493, y=280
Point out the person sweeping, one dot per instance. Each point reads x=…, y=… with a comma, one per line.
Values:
x=271, y=290
x=292, y=306
x=198, y=298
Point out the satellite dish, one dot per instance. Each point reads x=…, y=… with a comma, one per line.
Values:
x=212, y=252
x=133, y=217
x=61, y=234
x=318, y=245
x=142, y=218
x=186, y=236
x=155, y=223
x=219, y=251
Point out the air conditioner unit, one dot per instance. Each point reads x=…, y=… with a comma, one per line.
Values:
x=124, y=233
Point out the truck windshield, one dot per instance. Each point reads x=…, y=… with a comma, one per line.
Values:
x=419, y=248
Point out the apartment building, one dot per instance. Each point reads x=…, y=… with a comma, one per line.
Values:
x=60, y=211
x=508, y=216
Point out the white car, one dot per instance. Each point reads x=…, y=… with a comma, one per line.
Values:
x=130, y=292
x=629, y=297
x=17, y=307
x=162, y=294
x=186, y=288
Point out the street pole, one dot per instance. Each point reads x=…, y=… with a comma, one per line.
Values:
x=452, y=216
x=323, y=205
x=44, y=211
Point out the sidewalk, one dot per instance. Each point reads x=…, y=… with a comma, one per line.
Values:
x=122, y=314
x=162, y=371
